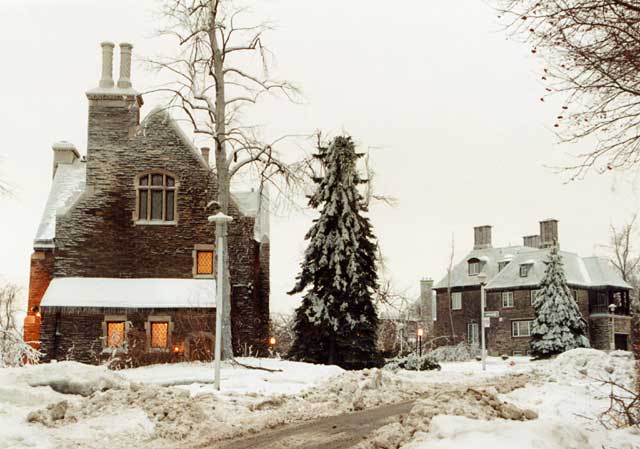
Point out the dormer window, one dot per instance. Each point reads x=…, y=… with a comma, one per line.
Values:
x=156, y=198
x=524, y=269
x=502, y=264
x=474, y=267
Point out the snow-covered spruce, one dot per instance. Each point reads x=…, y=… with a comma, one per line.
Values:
x=337, y=322
x=558, y=325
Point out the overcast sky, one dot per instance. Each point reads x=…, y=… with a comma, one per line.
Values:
x=449, y=107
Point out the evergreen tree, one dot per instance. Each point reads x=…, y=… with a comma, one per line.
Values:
x=337, y=321
x=558, y=325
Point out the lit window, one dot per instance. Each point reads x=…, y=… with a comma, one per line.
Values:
x=456, y=301
x=115, y=334
x=521, y=328
x=507, y=299
x=156, y=197
x=524, y=270
x=204, y=261
x=159, y=335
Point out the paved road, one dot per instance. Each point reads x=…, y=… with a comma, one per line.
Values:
x=334, y=432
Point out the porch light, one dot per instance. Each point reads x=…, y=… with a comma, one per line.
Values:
x=272, y=341
x=420, y=332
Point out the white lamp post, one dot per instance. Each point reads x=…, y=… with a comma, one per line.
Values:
x=221, y=221
x=482, y=277
x=612, y=310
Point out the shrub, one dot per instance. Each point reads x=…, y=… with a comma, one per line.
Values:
x=413, y=362
x=461, y=352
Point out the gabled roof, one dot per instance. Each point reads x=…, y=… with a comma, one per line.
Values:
x=489, y=257
x=583, y=272
x=67, y=186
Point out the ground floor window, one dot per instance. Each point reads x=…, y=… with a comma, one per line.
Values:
x=159, y=333
x=114, y=329
x=521, y=328
x=472, y=333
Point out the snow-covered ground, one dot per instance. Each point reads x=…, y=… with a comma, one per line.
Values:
x=156, y=406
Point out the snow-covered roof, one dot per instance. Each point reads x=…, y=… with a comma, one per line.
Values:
x=68, y=184
x=489, y=257
x=255, y=204
x=579, y=271
x=130, y=293
x=585, y=272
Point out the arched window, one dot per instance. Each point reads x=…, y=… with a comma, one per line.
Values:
x=156, y=197
x=474, y=266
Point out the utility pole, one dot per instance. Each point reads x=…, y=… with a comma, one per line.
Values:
x=221, y=221
x=482, y=277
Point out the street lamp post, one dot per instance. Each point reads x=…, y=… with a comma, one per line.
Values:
x=482, y=277
x=221, y=220
x=612, y=311
x=420, y=335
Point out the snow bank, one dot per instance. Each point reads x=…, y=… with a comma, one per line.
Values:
x=592, y=364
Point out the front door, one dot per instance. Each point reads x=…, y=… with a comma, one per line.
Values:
x=621, y=342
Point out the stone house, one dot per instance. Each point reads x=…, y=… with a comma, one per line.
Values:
x=124, y=256
x=514, y=274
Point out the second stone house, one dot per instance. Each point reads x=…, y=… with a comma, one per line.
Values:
x=514, y=274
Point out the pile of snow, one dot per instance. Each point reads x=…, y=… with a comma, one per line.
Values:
x=592, y=364
x=474, y=403
x=461, y=352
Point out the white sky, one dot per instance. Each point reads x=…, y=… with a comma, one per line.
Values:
x=449, y=105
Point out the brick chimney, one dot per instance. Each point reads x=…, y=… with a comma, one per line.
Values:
x=114, y=115
x=205, y=154
x=531, y=241
x=63, y=153
x=548, y=233
x=482, y=237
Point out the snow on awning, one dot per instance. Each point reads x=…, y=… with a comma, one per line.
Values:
x=130, y=293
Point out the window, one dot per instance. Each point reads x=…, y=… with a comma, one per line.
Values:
x=534, y=294
x=115, y=334
x=521, y=328
x=156, y=198
x=203, y=261
x=159, y=335
x=503, y=264
x=524, y=270
x=474, y=267
x=456, y=301
x=472, y=333
x=507, y=299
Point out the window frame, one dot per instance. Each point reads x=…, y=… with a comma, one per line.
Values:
x=503, y=264
x=509, y=294
x=473, y=329
x=105, y=333
x=458, y=296
x=474, y=263
x=527, y=268
x=148, y=325
x=149, y=188
x=203, y=247
x=516, y=324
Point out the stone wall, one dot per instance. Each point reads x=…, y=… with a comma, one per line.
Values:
x=77, y=334
x=470, y=313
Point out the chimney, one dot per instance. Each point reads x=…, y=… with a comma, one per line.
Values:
x=107, y=65
x=548, y=233
x=205, y=154
x=63, y=153
x=125, y=66
x=482, y=237
x=531, y=241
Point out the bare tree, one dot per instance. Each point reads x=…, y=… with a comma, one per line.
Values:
x=221, y=67
x=449, y=279
x=14, y=351
x=625, y=258
x=591, y=49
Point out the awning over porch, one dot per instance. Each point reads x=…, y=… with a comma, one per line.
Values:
x=130, y=293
